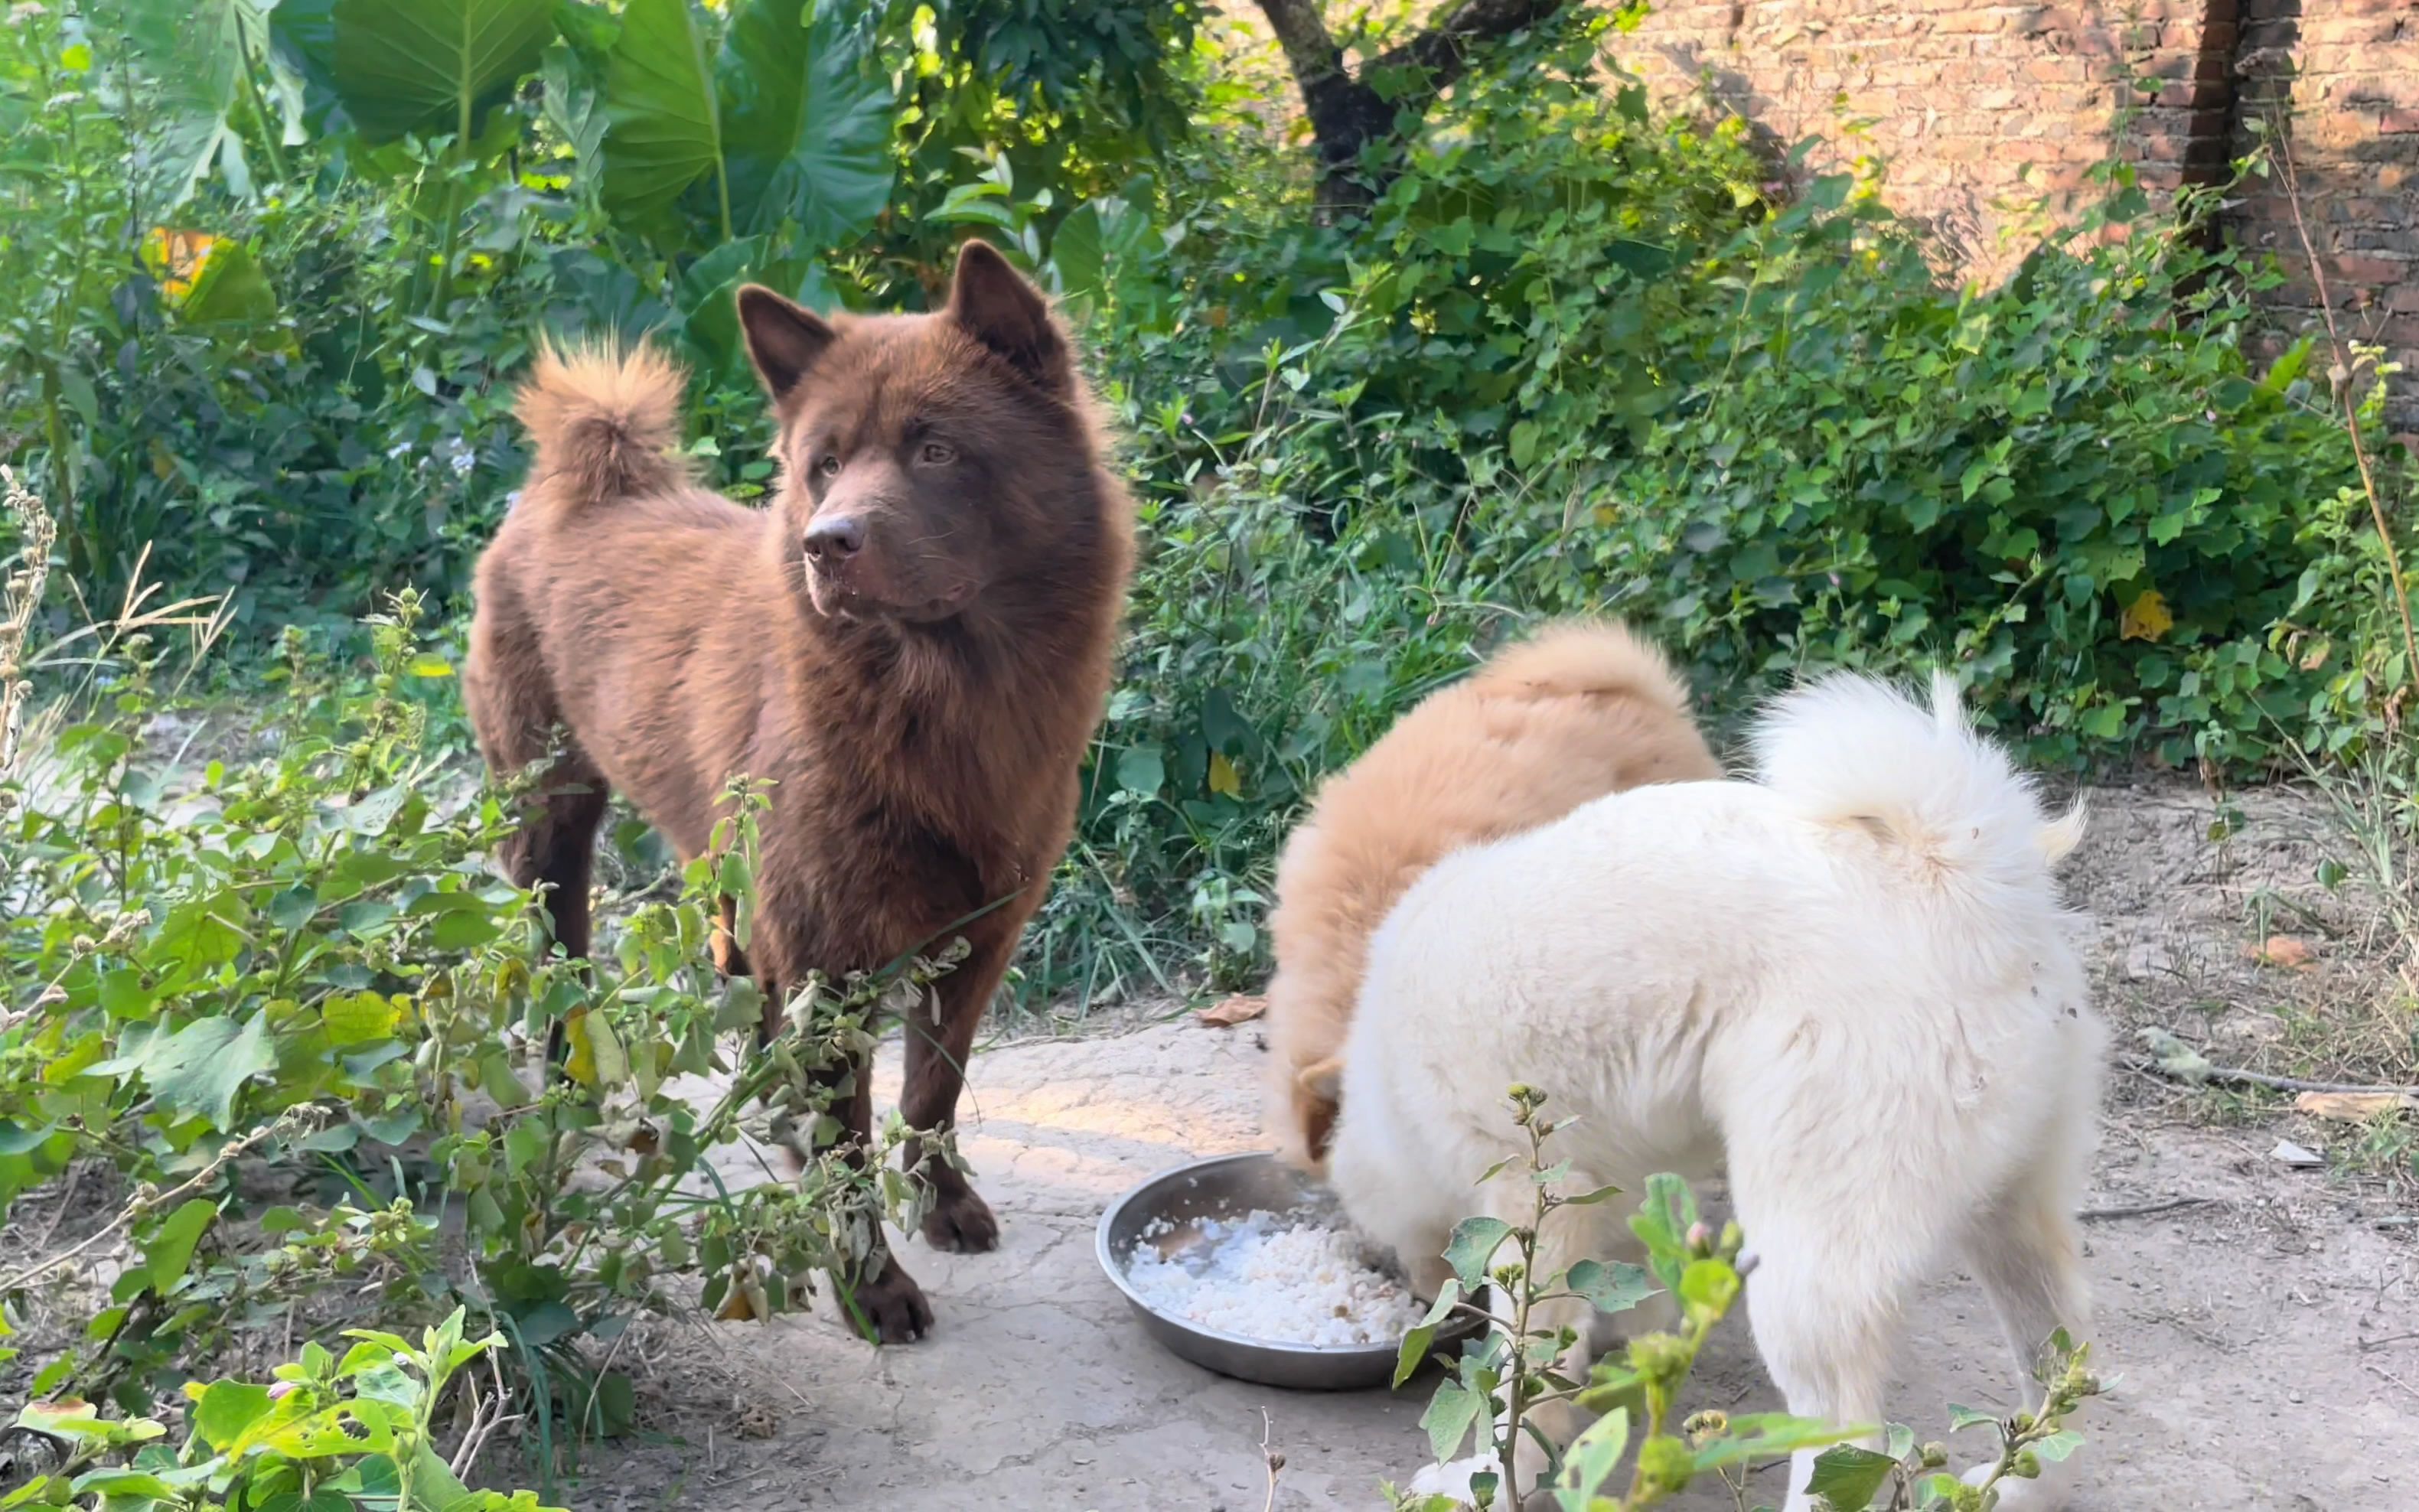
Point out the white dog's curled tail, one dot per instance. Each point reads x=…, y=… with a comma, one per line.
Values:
x=1853, y=749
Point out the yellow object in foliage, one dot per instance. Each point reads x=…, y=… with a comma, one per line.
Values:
x=1224, y=777
x=2146, y=618
x=177, y=258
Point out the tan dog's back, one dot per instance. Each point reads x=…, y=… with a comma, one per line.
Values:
x=1582, y=709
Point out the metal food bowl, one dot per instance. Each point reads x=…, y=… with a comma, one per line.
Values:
x=1228, y=1187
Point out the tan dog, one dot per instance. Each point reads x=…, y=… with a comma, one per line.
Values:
x=1583, y=709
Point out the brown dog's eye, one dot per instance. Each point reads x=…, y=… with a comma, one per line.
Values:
x=937, y=455
x=829, y=466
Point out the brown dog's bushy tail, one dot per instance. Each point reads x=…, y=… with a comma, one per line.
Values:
x=604, y=422
x=1574, y=658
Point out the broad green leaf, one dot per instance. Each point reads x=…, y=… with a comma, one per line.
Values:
x=16, y=1139
x=1711, y=1285
x=524, y=1146
x=1075, y=253
x=2058, y=1445
x=1591, y=1461
x=1662, y=1224
x=226, y=1409
x=207, y=62
x=1614, y=1287
x=664, y=123
x=1423, y=1334
x=464, y=928
x=122, y=993
x=292, y=909
x=201, y=1068
x=1961, y=1418
x=574, y=109
x=374, y=811
x=434, y=1480
x=230, y=289
x=596, y=1057
x=430, y=68
x=1451, y=1411
x=546, y=1322
x=1472, y=1246
x=167, y=1253
x=1850, y=1476
x=809, y=124
x=355, y=1018
x=1525, y=436
x=1141, y=770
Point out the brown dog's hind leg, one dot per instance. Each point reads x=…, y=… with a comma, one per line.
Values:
x=514, y=709
x=555, y=852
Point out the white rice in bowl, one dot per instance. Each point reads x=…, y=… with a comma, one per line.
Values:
x=1278, y=1278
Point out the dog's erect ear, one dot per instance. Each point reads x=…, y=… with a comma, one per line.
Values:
x=784, y=340
x=1321, y=1084
x=996, y=306
x=1322, y=1079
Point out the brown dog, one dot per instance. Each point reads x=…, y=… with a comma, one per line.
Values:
x=913, y=644
x=1582, y=710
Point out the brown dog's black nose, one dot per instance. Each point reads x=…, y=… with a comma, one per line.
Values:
x=835, y=537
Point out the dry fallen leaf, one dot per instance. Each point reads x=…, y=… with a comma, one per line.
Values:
x=2352, y=1107
x=2286, y=950
x=1240, y=1008
x=2290, y=1153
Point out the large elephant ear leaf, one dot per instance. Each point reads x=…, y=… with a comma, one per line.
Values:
x=664, y=125
x=203, y=58
x=807, y=122
x=429, y=66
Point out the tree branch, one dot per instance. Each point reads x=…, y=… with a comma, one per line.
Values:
x=1348, y=114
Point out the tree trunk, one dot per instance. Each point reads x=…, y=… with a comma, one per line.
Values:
x=1349, y=113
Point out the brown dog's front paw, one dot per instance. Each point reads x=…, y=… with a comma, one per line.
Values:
x=891, y=1306
x=962, y=1223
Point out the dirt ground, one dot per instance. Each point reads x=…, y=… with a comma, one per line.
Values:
x=2262, y=1326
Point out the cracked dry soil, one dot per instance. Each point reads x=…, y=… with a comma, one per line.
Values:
x=2264, y=1340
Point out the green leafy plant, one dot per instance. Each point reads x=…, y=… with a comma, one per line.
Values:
x=329, y=1434
x=297, y=961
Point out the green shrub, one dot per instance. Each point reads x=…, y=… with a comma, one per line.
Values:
x=1576, y=362
x=293, y=960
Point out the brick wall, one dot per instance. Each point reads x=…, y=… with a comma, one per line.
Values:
x=1980, y=110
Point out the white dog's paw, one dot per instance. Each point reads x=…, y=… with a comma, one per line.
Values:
x=1453, y=1479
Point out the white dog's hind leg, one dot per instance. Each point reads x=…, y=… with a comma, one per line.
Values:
x=1825, y=1330
x=1844, y=1233
x=2027, y=1251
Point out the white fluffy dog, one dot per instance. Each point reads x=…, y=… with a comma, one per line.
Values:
x=1848, y=984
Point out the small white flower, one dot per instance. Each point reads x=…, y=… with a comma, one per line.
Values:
x=513, y=500
x=398, y=451
x=462, y=461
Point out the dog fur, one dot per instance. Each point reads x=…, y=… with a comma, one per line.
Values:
x=913, y=643
x=1581, y=709
x=1848, y=984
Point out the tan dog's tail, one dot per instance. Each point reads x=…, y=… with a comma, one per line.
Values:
x=1573, y=659
x=604, y=424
